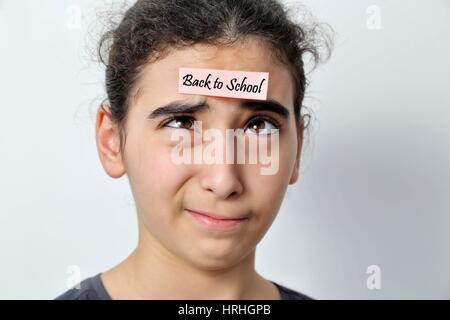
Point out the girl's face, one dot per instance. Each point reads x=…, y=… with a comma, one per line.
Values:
x=165, y=191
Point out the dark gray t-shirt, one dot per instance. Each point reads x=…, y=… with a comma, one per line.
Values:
x=93, y=289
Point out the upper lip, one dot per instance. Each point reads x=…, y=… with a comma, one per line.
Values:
x=217, y=216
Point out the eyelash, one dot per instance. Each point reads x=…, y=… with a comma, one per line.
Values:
x=170, y=119
x=274, y=122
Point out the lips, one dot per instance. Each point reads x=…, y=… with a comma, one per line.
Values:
x=215, y=216
x=215, y=221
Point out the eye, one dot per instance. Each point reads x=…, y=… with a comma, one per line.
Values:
x=180, y=122
x=261, y=126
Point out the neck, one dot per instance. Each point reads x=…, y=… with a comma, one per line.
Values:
x=153, y=272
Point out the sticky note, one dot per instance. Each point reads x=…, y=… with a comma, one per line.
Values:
x=223, y=83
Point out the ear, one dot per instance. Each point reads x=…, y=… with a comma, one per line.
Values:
x=108, y=143
x=295, y=171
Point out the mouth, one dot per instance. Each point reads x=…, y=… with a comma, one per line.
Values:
x=215, y=221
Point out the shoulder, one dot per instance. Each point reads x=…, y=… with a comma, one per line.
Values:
x=290, y=294
x=88, y=289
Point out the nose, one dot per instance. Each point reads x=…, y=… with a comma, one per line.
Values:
x=222, y=180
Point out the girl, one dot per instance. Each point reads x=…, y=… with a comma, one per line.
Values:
x=199, y=224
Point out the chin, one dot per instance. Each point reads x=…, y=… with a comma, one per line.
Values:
x=214, y=261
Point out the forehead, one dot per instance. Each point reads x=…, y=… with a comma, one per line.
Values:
x=158, y=80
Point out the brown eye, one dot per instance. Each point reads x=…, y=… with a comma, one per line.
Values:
x=260, y=126
x=182, y=122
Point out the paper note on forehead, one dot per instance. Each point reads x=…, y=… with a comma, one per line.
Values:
x=223, y=83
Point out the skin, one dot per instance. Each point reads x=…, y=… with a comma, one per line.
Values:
x=176, y=258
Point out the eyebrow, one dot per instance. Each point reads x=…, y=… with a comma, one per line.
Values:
x=266, y=105
x=184, y=107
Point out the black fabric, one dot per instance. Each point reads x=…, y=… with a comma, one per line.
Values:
x=93, y=289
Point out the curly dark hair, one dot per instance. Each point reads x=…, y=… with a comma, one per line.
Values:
x=150, y=27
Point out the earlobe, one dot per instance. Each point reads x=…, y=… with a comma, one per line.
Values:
x=108, y=143
x=294, y=176
x=296, y=169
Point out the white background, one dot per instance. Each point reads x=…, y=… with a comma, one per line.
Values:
x=375, y=181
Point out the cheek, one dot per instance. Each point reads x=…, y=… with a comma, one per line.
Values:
x=155, y=179
x=267, y=190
